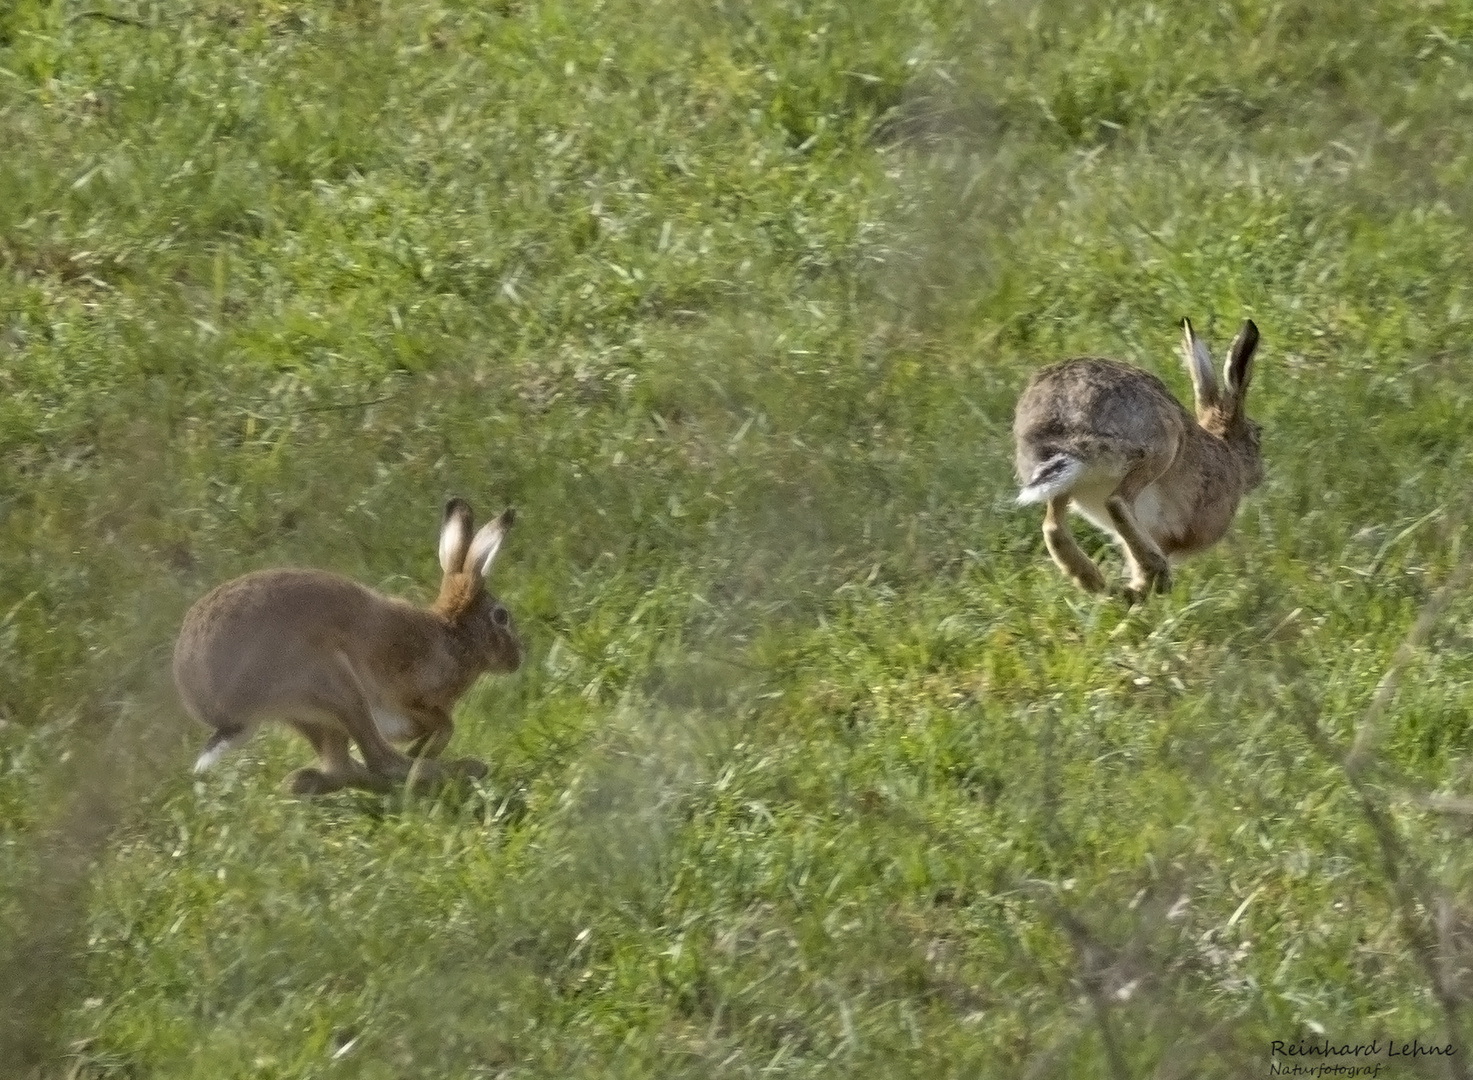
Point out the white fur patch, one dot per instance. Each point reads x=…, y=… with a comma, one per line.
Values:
x=1151, y=513
x=393, y=725
x=1090, y=505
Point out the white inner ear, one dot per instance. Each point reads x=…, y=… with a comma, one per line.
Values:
x=452, y=543
x=484, y=547
x=1233, y=386
x=1199, y=362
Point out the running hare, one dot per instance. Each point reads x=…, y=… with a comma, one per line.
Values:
x=340, y=662
x=1111, y=440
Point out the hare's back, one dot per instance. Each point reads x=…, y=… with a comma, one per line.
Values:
x=265, y=636
x=284, y=597
x=1092, y=399
x=273, y=615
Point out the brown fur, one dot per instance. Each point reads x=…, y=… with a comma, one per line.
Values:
x=1110, y=441
x=338, y=661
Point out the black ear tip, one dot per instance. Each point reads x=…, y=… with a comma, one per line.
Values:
x=509, y=516
x=1247, y=341
x=1186, y=324
x=455, y=504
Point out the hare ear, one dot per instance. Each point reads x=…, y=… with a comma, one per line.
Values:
x=1237, y=372
x=455, y=535
x=1199, y=364
x=488, y=542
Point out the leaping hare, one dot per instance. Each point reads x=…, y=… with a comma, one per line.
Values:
x=1111, y=440
x=340, y=662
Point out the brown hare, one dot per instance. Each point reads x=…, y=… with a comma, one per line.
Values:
x=1111, y=441
x=340, y=662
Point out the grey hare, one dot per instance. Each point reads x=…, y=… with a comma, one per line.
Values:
x=340, y=662
x=1110, y=441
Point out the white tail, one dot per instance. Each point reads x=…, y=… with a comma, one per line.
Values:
x=1051, y=479
x=218, y=746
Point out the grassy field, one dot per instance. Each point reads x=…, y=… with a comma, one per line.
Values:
x=817, y=767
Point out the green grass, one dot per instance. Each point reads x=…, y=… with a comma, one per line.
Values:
x=817, y=767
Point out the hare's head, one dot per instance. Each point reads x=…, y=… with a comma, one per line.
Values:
x=1220, y=408
x=481, y=621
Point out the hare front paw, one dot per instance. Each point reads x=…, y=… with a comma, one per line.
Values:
x=428, y=775
x=1142, y=587
x=469, y=767
x=308, y=782
x=424, y=774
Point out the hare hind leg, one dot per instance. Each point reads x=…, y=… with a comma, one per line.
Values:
x=433, y=742
x=337, y=768
x=1149, y=569
x=430, y=745
x=1066, y=552
x=343, y=697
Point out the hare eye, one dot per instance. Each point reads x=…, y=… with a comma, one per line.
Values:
x=500, y=616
